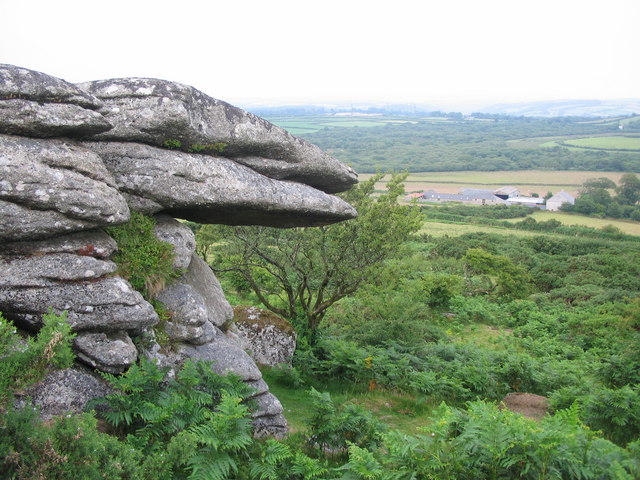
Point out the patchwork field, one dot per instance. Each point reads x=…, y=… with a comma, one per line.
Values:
x=527, y=181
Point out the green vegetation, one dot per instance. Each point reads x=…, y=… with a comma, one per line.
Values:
x=300, y=273
x=398, y=376
x=606, y=143
x=25, y=362
x=142, y=259
x=218, y=147
x=449, y=142
x=596, y=200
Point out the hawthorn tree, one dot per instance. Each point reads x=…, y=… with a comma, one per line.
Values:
x=299, y=273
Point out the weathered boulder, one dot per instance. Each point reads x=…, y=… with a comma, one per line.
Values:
x=112, y=352
x=38, y=105
x=202, y=281
x=93, y=243
x=158, y=111
x=65, y=391
x=66, y=273
x=188, y=312
x=270, y=426
x=50, y=187
x=266, y=337
x=180, y=236
x=226, y=356
x=209, y=189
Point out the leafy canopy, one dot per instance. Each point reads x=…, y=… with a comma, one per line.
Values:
x=299, y=273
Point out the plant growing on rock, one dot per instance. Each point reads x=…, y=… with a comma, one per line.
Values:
x=144, y=260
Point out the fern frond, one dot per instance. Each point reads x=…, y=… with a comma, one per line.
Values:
x=206, y=467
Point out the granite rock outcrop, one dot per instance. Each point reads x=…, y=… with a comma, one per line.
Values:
x=75, y=159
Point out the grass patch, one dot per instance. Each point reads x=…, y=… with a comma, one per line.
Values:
x=398, y=410
x=627, y=226
x=617, y=142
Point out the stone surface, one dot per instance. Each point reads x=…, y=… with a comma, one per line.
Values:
x=94, y=243
x=266, y=405
x=64, y=391
x=226, y=356
x=154, y=111
x=39, y=105
x=109, y=352
x=268, y=338
x=260, y=387
x=67, y=273
x=180, y=236
x=19, y=82
x=208, y=189
x=54, y=187
x=270, y=426
x=24, y=117
x=201, y=278
x=184, y=304
x=189, y=314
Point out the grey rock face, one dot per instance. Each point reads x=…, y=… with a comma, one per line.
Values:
x=94, y=243
x=267, y=405
x=270, y=426
x=202, y=280
x=23, y=117
x=180, y=236
x=18, y=82
x=189, y=314
x=153, y=111
x=269, y=339
x=53, y=187
x=110, y=352
x=65, y=391
x=66, y=273
x=226, y=356
x=109, y=305
x=39, y=105
x=210, y=189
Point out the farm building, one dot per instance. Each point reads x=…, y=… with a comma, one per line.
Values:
x=411, y=196
x=507, y=192
x=478, y=197
x=555, y=202
x=528, y=201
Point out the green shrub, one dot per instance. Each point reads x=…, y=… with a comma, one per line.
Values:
x=144, y=260
x=66, y=447
x=26, y=362
x=332, y=429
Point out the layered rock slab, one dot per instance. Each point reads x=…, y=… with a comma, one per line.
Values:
x=209, y=189
x=50, y=187
x=63, y=274
x=38, y=105
x=159, y=112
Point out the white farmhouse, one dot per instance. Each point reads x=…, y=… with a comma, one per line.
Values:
x=555, y=202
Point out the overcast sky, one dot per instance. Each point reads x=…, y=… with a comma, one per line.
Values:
x=438, y=52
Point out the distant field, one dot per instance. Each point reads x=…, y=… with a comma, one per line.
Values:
x=313, y=123
x=606, y=143
x=527, y=181
x=298, y=125
x=438, y=229
x=629, y=227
